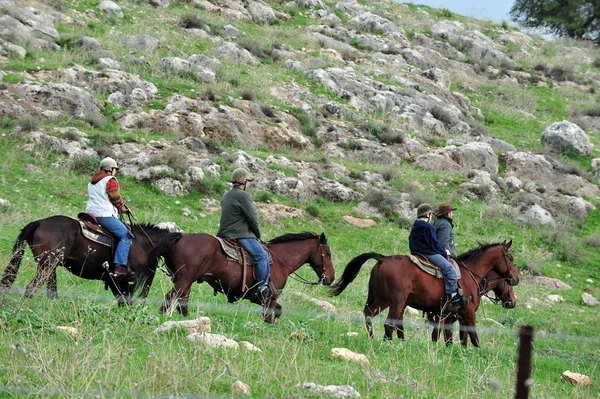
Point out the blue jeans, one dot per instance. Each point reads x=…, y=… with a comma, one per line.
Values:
x=120, y=231
x=450, y=276
x=260, y=258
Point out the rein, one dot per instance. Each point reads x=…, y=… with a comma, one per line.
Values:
x=473, y=274
x=295, y=276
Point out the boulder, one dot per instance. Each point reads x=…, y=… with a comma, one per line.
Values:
x=141, y=42
x=110, y=8
x=546, y=282
x=565, y=136
x=212, y=340
x=535, y=214
x=476, y=155
x=241, y=388
x=589, y=299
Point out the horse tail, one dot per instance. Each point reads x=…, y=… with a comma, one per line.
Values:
x=351, y=271
x=18, y=251
x=148, y=272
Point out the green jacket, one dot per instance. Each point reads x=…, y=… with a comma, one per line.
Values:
x=238, y=216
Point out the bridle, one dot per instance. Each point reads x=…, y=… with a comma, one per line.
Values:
x=296, y=276
x=473, y=274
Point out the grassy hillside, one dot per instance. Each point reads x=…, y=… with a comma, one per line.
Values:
x=118, y=355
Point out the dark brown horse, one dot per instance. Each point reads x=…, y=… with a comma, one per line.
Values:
x=504, y=293
x=58, y=240
x=396, y=282
x=199, y=257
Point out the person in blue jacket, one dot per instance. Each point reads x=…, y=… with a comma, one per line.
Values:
x=423, y=240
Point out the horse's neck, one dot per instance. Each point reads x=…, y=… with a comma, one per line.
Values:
x=291, y=255
x=481, y=267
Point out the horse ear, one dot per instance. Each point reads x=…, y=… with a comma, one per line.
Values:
x=323, y=238
x=507, y=244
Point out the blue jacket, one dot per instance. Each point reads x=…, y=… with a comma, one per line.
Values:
x=422, y=239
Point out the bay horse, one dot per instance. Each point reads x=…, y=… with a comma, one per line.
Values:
x=396, y=282
x=58, y=240
x=504, y=293
x=200, y=258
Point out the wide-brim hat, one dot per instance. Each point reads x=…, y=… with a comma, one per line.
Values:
x=444, y=209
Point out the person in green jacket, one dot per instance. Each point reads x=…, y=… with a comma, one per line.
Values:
x=239, y=221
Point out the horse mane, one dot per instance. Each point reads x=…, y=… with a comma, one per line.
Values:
x=148, y=226
x=307, y=235
x=476, y=253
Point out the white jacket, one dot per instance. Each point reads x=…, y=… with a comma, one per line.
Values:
x=98, y=203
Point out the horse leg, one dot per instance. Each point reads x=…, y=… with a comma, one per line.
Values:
x=394, y=322
x=434, y=322
x=467, y=327
x=179, y=294
x=371, y=311
x=51, y=288
x=448, y=327
x=270, y=312
x=47, y=262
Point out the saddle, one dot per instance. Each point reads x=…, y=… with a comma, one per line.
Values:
x=236, y=253
x=91, y=229
x=424, y=264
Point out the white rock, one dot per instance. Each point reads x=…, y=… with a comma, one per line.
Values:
x=330, y=391
x=555, y=298
x=349, y=355
x=213, y=340
x=199, y=325
x=240, y=387
x=323, y=304
x=248, y=346
x=589, y=299
x=70, y=330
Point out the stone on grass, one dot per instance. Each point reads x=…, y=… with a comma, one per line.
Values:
x=201, y=324
x=213, y=340
x=555, y=298
x=546, y=282
x=4, y=203
x=330, y=391
x=576, y=378
x=248, y=346
x=589, y=299
x=347, y=354
x=240, y=387
x=358, y=222
x=70, y=330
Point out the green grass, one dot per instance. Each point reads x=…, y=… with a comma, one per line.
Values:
x=118, y=354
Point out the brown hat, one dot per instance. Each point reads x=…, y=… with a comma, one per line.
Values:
x=444, y=209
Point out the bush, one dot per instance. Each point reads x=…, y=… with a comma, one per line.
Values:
x=249, y=94
x=263, y=196
x=175, y=161
x=593, y=241
x=313, y=210
x=191, y=21
x=86, y=165
x=28, y=124
x=208, y=186
x=381, y=200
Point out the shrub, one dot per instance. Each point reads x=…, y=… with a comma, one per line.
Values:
x=593, y=241
x=389, y=172
x=191, y=21
x=249, y=94
x=175, y=160
x=28, y=124
x=7, y=123
x=207, y=186
x=313, y=210
x=597, y=62
x=208, y=95
x=86, y=164
x=263, y=196
x=382, y=201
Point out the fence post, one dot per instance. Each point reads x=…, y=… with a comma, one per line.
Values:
x=524, y=362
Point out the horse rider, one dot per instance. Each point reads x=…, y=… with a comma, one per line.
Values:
x=444, y=228
x=239, y=221
x=423, y=240
x=105, y=203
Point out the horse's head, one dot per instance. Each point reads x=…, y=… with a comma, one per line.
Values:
x=321, y=262
x=505, y=294
x=506, y=266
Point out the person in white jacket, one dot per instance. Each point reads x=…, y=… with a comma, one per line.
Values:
x=105, y=203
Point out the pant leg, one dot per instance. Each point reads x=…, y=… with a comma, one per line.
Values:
x=450, y=276
x=120, y=231
x=260, y=258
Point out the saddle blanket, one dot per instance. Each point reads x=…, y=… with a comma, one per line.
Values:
x=433, y=269
x=94, y=234
x=232, y=250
